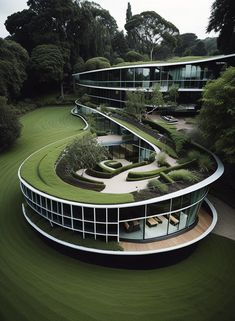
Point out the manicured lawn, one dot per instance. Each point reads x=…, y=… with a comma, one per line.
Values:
x=40, y=284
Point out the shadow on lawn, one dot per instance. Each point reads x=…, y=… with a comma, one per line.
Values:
x=133, y=262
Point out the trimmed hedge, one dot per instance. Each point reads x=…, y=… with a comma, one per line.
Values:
x=117, y=171
x=98, y=174
x=135, y=176
x=166, y=178
x=145, y=175
x=113, y=164
x=86, y=179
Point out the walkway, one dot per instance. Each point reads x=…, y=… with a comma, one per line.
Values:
x=118, y=183
x=226, y=218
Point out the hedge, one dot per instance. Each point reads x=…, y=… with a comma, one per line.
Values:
x=86, y=179
x=166, y=178
x=98, y=174
x=117, y=171
x=113, y=164
x=135, y=176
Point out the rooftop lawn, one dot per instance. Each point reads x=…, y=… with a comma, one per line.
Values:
x=39, y=283
x=171, y=60
x=149, y=138
x=39, y=171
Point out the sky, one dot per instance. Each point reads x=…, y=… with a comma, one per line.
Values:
x=186, y=15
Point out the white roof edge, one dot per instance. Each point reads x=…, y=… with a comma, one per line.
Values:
x=207, y=181
x=158, y=64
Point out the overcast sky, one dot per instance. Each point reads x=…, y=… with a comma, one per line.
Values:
x=186, y=15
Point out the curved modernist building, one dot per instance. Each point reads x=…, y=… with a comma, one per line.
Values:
x=109, y=85
x=115, y=219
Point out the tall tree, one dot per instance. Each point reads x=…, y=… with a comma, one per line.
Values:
x=10, y=126
x=48, y=22
x=217, y=117
x=185, y=42
x=151, y=29
x=130, y=34
x=13, y=62
x=46, y=65
x=98, y=29
x=222, y=20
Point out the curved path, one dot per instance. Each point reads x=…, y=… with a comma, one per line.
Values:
x=38, y=283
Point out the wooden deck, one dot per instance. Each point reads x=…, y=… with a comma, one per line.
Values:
x=203, y=224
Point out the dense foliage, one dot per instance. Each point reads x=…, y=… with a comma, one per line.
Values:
x=222, y=20
x=217, y=117
x=83, y=153
x=13, y=61
x=150, y=30
x=9, y=125
x=70, y=33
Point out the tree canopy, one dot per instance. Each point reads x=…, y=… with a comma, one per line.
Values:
x=151, y=29
x=84, y=153
x=13, y=62
x=222, y=20
x=10, y=127
x=217, y=117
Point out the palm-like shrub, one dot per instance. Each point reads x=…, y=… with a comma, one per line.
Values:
x=161, y=159
x=184, y=175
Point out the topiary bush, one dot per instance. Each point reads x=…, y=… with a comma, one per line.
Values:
x=134, y=56
x=113, y=164
x=97, y=63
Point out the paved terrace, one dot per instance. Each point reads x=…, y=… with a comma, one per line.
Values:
x=118, y=183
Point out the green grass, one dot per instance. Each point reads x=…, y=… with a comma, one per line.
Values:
x=40, y=284
x=39, y=171
x=151, y=139
x=171, y=60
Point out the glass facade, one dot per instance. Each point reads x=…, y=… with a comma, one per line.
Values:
x=133, y=223
x=109, y=86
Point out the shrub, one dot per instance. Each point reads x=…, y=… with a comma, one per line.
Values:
x=134, y=56
x=113, y=164
x=98, y=174
x=166, y=178
x=152, y=157
x=79, y=65
x=10, y=127
x=204, y=161
x=157, y=185
x=161, y=159
x=184, y=175
x=97, y=63
x=118, y=60
x=86, y=179
x=135, y=176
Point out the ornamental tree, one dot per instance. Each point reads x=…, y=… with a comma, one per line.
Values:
x=84, y=153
